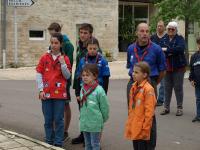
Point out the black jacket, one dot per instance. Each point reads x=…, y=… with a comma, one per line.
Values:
x=195, y=68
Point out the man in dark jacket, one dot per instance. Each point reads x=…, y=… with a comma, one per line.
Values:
x=85, y=33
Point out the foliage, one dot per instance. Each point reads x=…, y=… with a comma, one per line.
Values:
x=187, y=10
x=127, y=28
x=178, y=9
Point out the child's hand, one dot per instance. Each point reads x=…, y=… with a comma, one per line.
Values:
x=61, y=59
x=192, y=83
x=78, y=98
x=42, y=95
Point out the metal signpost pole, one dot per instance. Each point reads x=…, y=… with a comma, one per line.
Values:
x=15, y=4
x=15, y=32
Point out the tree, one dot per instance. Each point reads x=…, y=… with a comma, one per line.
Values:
x=187, y=10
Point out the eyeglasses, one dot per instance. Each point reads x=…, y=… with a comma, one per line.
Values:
x=172, y=29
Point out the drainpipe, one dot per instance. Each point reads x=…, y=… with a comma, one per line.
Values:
x=3, y=32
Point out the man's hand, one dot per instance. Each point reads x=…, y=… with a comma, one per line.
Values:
x=192, y=83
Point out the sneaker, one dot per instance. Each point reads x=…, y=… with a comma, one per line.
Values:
x=196, y=119
x=179, y=112
x=66, y=136
x=159, y=103
x=78, y=140
x=165, y=111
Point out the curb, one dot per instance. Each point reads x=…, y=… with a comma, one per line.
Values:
x=12, y=134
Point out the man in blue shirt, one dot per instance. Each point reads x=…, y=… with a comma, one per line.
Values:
x=145, y=50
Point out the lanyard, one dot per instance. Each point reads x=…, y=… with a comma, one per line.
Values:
x=143, y=55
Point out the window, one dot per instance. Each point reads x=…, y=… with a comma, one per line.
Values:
x=36, y=35
x=140, y=14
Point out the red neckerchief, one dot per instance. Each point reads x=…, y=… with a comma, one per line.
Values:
x=97, y=58
x=144, y=54
x=135, y=93
x=88, y=92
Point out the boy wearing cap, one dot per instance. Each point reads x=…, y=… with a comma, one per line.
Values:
x=174, y=49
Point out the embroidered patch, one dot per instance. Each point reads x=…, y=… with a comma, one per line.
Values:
x=46, y=85
x=138, y=102
x=46, y=69
x=91, y=102
x=47, y=95
x=94, y=94
x=58, y=84
x=151, y=93
x=141, y=90
x=56, y=92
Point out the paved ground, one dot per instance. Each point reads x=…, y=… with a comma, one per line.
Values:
x=20, y=111
x=14, y=141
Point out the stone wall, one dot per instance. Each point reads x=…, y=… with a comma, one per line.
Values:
x=103, y=14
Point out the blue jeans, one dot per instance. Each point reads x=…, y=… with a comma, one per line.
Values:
x=53, y=111
x=161, y=92
x=197, y=94
x=92, y=140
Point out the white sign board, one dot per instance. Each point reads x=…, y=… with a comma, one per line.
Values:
x=20, y=3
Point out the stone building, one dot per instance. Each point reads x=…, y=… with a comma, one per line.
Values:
x=32, y=23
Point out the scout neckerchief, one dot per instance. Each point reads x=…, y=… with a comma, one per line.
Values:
x=135, y=93
x=144, y=54
x=96, y=61
x=88, y=92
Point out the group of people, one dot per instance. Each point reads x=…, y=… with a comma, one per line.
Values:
x=151, y=60
x=91, y=79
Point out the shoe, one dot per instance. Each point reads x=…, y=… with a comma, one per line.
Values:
x=159, y=103
x=78, y=140
x=66, y=136
x=165, y=111
x=196, y=119
x=179, y=112
x=58, y=145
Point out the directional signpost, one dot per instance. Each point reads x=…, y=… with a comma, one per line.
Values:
x=20, y=3
x=15, y=4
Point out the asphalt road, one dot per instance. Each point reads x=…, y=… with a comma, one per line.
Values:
x=20, y=111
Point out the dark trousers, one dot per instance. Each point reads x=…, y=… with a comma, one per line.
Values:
x=141, y=145
x=174, y=80
x=147, y=145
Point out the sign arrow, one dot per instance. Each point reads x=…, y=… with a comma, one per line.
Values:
x=20, y=3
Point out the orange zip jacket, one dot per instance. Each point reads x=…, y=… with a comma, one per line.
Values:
x=141, y=111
